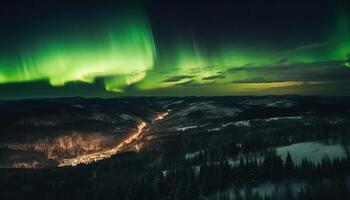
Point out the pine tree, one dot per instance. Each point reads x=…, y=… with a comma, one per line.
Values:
x=289, y=166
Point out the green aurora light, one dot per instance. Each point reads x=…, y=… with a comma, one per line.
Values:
x=126, y=53
x=121, y=51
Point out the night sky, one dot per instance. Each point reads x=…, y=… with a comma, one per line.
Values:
x=181, y=48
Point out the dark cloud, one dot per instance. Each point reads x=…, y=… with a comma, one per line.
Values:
x=256, y=80
x=239, y=68
x=177, y=78
x=281, y=61
x=193, y=83
x=236, y=69
x=248, y=65
x=309, y=47
x=317, y=71
x=214, y=77
x=187, y=83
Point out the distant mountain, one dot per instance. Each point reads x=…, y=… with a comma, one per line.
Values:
x=42, y=132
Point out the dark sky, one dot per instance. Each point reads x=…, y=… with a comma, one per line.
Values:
x=266, y=22
x=257, y=20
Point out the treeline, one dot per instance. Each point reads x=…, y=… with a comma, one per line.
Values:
x=318, y=190
x=210, y=177
x=168, y=174
x=140, y=176
x=232, y=141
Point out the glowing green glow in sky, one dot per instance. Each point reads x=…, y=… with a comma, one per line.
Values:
x=124, y=54
x=120, y=52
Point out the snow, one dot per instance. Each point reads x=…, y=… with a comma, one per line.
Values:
x=214, y=129
x=186, y=128
x=244, y=123
x=78, y=106
x=313, y=151
x=235, y=161
x=282, y=118
x=270, y=103
x=281, y=104
x=126, y=117
x=210, y=109
x=247, y=123
x=175, y=103
x=192, y=154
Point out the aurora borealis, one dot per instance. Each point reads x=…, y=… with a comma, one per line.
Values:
x=107, y=49
x=120, y=51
